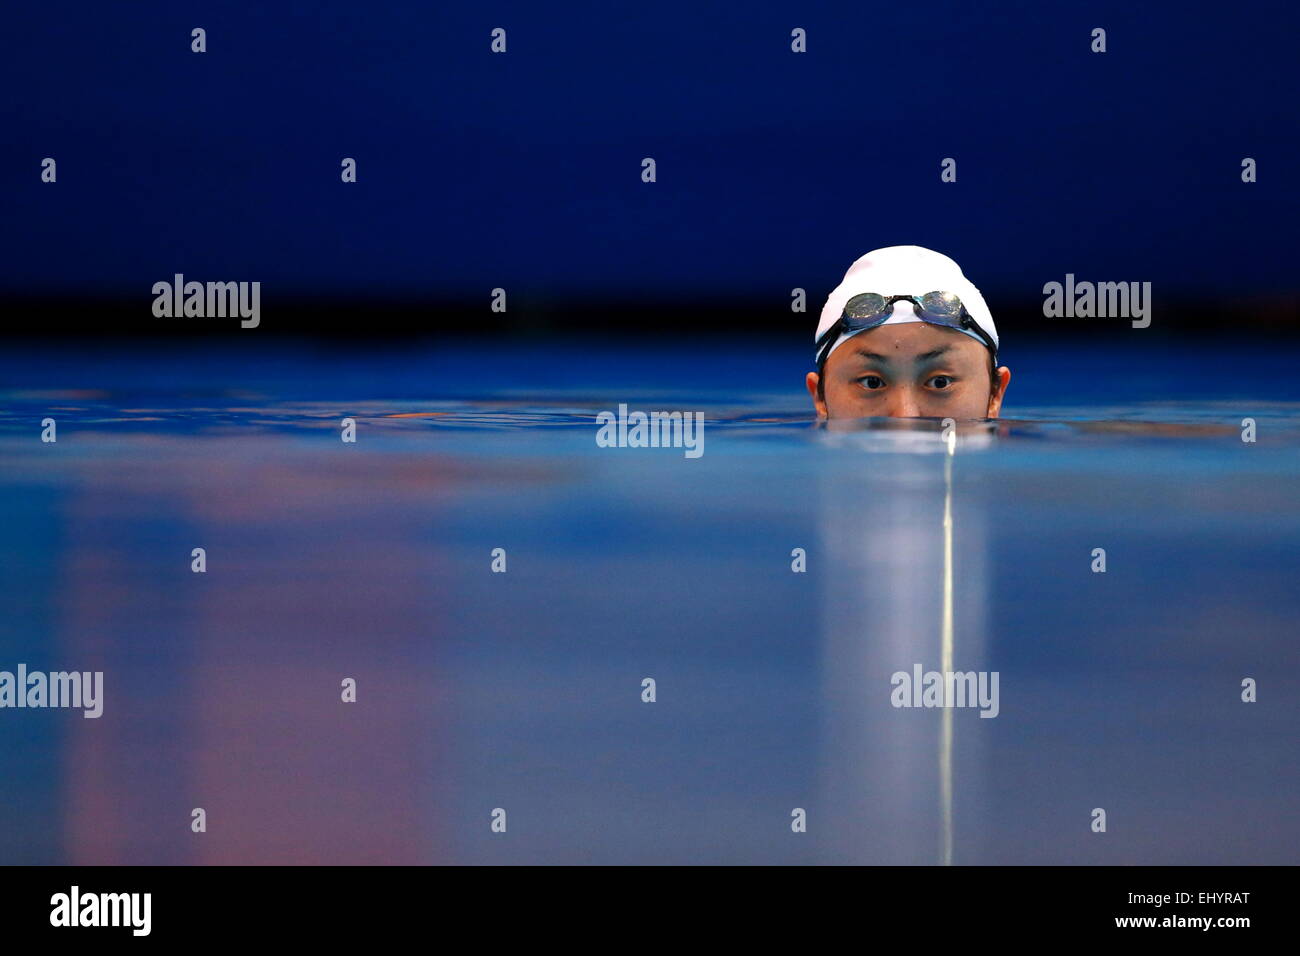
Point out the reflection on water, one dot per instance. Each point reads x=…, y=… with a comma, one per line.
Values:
x=523, y=690
x=896, y=579
x=946, y=657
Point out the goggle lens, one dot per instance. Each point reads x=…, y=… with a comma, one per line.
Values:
x=865, y=307
x=942, y=306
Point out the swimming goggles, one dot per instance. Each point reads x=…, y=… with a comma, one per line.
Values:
x=870, y=309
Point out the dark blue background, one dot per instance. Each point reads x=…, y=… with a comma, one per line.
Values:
x=522, y=170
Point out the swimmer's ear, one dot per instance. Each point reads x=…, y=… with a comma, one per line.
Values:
x=818, y=402
x=995, y=400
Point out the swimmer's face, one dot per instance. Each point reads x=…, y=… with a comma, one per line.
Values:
x=909, y=370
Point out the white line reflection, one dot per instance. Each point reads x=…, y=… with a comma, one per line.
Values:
x=945, y=738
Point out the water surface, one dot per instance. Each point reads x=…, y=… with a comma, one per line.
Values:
x=523, y=690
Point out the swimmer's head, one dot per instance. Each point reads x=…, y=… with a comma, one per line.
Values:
x=917, y=357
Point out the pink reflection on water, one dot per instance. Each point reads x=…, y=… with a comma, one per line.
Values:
x=222, y=690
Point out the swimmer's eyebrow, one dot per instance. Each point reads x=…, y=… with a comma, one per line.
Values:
x=872, y=356
x=884, y=360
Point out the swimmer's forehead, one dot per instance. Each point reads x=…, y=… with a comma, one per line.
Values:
x=924, y=343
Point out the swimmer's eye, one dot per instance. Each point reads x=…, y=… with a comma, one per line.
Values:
x=940, y=381
x=872, y=382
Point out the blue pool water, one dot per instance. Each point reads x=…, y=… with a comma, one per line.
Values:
x=523, y=690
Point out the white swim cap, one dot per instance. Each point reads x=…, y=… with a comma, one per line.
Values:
x=904, y=270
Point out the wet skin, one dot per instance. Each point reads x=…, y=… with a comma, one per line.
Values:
x=912, y=370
